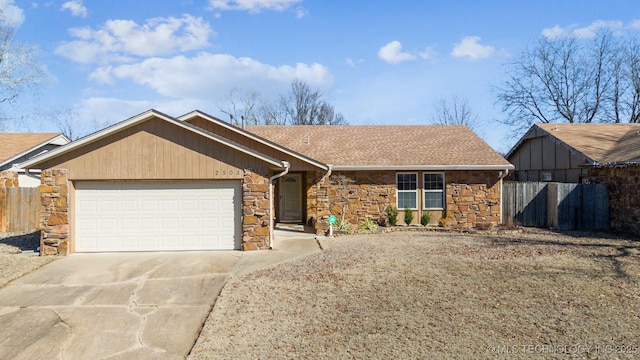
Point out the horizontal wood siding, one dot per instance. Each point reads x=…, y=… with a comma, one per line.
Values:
x=155, y=150
x=296, y=164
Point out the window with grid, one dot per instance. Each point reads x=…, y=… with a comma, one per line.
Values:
x=433, y=191
x=407, y=185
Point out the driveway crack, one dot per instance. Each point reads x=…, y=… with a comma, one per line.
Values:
x=69, y=329
x=133, y=304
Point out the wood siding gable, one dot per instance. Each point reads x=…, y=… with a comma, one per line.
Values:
x=539, y=152
x=296, y=163
x=154, y=150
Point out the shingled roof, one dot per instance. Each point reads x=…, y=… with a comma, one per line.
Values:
x=13, y=145
x=386, y=146
x=601, y=143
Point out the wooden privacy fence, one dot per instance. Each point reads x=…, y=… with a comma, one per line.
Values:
x=19, y=209
x=559, y=205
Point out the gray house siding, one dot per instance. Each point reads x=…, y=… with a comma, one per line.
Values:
x=541, y=158
x=28, y=156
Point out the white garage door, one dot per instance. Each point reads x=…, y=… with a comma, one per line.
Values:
x=157, y=216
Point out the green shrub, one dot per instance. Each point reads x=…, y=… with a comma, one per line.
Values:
x=408, y=216
x=392, y=215
x=343, y=226
x=425, y=218
x=368, y=224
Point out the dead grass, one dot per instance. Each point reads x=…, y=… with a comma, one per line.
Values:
x=13, y=262
x=435, y=295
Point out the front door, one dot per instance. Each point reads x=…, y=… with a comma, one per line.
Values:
x=291, y=198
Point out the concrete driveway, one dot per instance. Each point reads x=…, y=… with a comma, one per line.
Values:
x=123, y=306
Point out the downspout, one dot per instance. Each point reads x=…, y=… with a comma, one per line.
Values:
x=500, y=177
x=287, y=165
x=326, y=176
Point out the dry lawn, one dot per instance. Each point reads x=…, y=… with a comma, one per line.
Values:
x=436, y=295
x=13, y=262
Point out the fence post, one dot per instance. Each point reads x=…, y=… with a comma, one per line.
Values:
x=552, y=205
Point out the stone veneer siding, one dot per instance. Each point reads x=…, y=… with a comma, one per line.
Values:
x=623, y=183
x=472, y=197
x=54, y=217
x=8, y=178
x=255, y=210
x=366, y=196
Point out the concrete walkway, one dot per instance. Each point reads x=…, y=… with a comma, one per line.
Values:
x=125, y=306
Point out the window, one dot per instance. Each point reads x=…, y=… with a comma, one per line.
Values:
x=433, y=191
x=546, y=176
x=407, y=184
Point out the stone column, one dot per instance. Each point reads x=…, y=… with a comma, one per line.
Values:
x=473, y=197
x=54, y=217
x=255, y=210
x=323, y=205
x=8, y=178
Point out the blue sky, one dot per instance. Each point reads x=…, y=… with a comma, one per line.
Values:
x=377, y=62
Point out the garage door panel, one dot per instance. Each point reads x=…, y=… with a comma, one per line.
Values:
x=128, y=205
x=157, y=216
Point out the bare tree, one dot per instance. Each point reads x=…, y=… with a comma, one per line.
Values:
x=18, y=69
x=562, y=80
x=242, y=108
x=455, y=112
x=304, y=106
x=631, y=102
x=301, y=106
x=64, y=121
x=272, y=113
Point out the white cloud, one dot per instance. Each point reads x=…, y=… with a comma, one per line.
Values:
x=301, y=12
x=183, y=84
x=123, y=40
x=590, y=31
x=76, y=8
x=428, y=53
x=99, y=112
x=10, y=14
x=252, y=6
x=555, y=32
x=210, y=76
x=470, y=47
x=392, y=53
x=353, y=63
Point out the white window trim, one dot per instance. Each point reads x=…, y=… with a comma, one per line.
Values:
x=406, y=191
x=425, y=191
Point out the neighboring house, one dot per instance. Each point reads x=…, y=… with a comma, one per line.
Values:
x=16, y=148
x=154, y=182
x=595, y=153
x=567, y=152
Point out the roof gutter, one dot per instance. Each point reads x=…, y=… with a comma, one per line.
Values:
x=422, y=167
x=619, y=164
x=287, y=165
